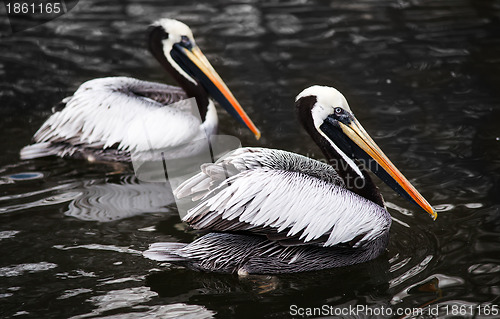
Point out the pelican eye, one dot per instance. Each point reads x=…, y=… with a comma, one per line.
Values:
x=341, y=115
x=185, y=42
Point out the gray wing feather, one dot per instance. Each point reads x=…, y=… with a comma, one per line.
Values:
x=111, y=112
x=231, y=253
x=161, y=93
x=278, y=192
x=250, y=158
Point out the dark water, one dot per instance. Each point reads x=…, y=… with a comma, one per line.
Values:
x=423, y=78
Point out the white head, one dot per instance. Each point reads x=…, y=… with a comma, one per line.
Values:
x=327, y=99
x=176, y=30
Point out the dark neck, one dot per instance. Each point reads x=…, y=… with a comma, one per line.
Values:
x=192, y=90
x=355, y=183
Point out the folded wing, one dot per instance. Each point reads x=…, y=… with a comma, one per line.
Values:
x=120, y=112
x=287, y=197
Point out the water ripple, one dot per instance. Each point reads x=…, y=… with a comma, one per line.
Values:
x=121, y=280
x=19, y=270
x=116, y=299
x=8, y=234
x=110, y=202
x=172, y=311
x=77, y=273
x=477, y=269
x=74, y=292
x=39, y=192
x=432, y=284
x=51, y=200
x=411, y=273
x=101, y=247
x=283, y=23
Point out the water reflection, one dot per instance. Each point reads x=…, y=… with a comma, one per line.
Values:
x=19, y=270
x=110, y=202
x=131, y=301
x=241, y=296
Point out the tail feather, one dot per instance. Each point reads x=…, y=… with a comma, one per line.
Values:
x=38, y=150
x=165, y=252
x=214, y=252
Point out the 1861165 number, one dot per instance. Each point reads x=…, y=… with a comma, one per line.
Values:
x=32, y=8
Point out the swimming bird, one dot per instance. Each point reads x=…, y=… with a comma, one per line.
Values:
x=107, y=119
x=270, y=211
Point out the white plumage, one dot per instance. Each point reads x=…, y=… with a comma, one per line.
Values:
x=101, y=109
x=117, y=112
x=275, y=192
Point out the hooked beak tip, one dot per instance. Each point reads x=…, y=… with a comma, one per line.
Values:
x=257, y=135
x=434, y=215
x=428, y=208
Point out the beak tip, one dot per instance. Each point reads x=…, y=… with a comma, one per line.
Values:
x=433, y=214
x=257, y=135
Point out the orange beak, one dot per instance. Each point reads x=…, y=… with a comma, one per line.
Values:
x=360, y=137
x=217, y=88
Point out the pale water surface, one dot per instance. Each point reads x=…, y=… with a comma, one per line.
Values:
x=421, y=76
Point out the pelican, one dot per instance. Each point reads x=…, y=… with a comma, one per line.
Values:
x=109, y=118
x=269, y=211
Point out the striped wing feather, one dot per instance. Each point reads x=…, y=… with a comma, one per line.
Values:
x=119, y=112
x=289, y=205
